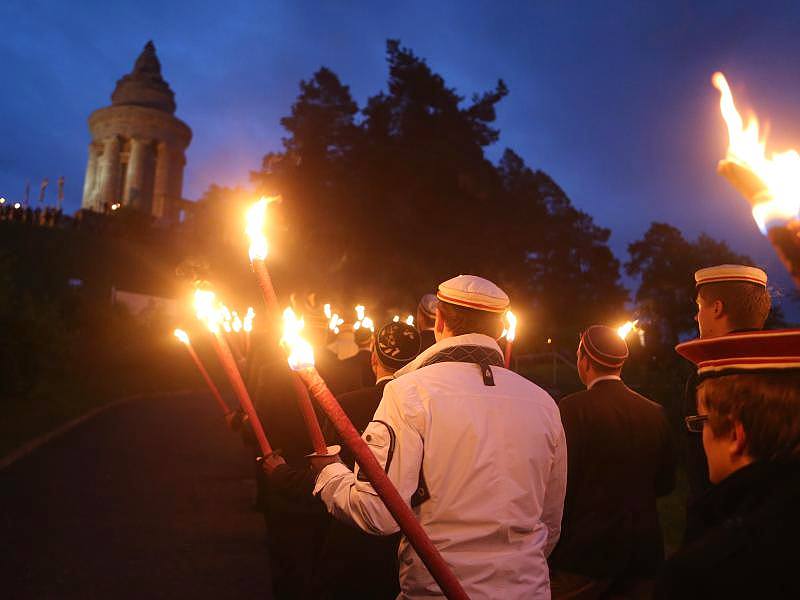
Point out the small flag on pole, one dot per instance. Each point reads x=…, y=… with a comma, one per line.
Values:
x=60, y=191
x=42, y=189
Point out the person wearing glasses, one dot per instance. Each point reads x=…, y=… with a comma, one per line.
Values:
x=619, y=459
x=729, y=298
x=748, y=421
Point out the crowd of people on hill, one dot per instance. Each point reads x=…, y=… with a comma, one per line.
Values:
x=49, y=216
x=523, y=496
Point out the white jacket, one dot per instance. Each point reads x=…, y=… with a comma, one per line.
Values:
x=495, y=464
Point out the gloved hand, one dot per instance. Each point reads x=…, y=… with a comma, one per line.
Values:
x=271, y=461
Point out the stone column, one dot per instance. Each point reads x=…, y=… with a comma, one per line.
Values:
x=161, y=189
x=89, y=180
x=134, y=182
x=109, y=190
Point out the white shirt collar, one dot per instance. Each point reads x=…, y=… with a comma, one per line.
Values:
x=384, y=378
x=469, y=339
x=603, y=378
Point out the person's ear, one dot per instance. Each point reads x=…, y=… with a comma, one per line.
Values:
x=737, y=446
x=718, y=309
x=438, y=325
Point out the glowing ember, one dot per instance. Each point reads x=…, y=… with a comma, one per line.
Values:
x=772, y=184
x=301, y=354
x=181, y=335
x=624, y=331
x=256, y=222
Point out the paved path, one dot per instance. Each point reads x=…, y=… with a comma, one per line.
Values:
x=151, y=499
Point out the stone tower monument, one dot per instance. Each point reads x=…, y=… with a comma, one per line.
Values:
x=138, y=147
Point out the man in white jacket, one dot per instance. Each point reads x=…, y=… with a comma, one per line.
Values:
x=478, y=452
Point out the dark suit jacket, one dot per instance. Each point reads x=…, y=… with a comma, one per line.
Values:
x=620, y=459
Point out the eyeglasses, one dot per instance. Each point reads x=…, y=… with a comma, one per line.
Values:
x=695, y=423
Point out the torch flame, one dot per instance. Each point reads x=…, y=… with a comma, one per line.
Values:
x=237, y=322
x=780, y=173
x=301, y=354
x=367, y=323
x=207, y=309
x=182, y=336
x=256, y=221
x=327, y=310
x=624, y=330
x=410, y=320
x=396, y=318
x=360, y=312
x=247, y=324
x=510, y=332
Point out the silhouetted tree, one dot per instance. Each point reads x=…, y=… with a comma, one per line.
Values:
x=384, y=207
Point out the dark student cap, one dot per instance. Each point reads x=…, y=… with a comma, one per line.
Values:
x=397, y=344
x=604, y=346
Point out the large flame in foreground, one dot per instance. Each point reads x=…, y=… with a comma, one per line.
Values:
x=301, y=354
x=773, y=184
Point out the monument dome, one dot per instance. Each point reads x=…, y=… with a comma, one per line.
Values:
x=137, y=153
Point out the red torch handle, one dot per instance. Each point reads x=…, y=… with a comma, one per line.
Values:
x=309, y=416
x=267, y=289
x=237, y=383
x=399, y=509
x=507, y=355
x=303, y=401
x=233, y=345
x=209, y=381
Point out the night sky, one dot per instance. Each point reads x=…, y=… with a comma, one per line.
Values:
x=612, y=99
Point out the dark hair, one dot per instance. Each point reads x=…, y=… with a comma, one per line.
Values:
x=746, y=304
x=766, y=404
x=461, y=320
x=602, y=369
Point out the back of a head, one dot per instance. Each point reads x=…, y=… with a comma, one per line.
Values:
x=461, y=320
x=396, y=345
x=472, y=304
x=741, y=289
x=426, y=311
x=604, y=348
x=746, y=304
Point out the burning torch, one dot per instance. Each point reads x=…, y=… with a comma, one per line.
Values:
x=256, y=222
x=209, y=313
x=510, y=333
x=771, y=185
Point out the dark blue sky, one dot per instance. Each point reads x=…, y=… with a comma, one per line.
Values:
x=613, y=99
